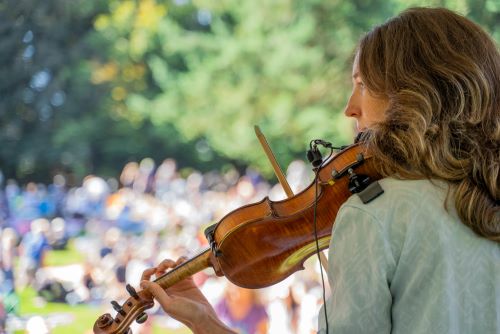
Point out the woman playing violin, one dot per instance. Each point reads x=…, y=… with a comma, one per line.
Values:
x=424, y=257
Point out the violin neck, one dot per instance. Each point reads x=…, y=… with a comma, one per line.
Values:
x=186, y=269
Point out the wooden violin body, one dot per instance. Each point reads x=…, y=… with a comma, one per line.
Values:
x=261, y=244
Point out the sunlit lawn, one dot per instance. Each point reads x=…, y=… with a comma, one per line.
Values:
x=64, y=257
x=82, y=317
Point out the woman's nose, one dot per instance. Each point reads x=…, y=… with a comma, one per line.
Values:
x=352, y=109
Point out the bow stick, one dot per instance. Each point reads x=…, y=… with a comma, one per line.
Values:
x=281, y=178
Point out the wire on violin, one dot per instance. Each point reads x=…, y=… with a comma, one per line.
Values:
x=316, y=159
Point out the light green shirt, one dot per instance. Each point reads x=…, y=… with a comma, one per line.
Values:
x=403, y=264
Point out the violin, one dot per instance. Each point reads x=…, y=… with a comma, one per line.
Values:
x=260, y=244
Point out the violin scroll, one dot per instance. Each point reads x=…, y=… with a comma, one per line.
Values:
x=132, y=309
x=139, y=301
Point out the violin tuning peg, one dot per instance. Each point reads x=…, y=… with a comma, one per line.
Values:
x=118, y=308
x=115, y=305
x=131, y=291
x=141, y=318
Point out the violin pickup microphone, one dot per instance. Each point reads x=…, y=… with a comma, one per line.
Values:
x=314, y=156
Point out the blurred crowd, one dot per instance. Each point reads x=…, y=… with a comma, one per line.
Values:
x=122, y=226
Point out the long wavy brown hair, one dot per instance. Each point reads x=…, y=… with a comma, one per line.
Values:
x=441, y=73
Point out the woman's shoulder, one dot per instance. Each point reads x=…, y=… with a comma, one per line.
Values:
x=408, y=192
x=406, y=202
x=413, y=188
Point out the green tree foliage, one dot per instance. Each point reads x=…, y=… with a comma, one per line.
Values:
x=43, y=86
x=90, y=84
x=55, y=112
x=217, y=68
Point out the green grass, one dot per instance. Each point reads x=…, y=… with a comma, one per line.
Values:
x=64, y=257
x=83, y=316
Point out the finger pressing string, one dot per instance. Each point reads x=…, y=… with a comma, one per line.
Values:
x=181, y=260
x=158, y=293
x=165, y=264
x=146, y=274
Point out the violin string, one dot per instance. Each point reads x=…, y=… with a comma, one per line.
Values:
x=316, y=178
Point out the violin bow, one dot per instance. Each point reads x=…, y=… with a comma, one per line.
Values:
x=282, y=179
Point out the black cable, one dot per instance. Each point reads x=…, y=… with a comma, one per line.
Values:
x=323, y=143
x=314, y=153
x=331, y=153
x=317, y=242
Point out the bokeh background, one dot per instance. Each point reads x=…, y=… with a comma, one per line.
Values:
x=126, y=128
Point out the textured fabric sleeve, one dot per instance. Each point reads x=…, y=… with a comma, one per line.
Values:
x=360, y=270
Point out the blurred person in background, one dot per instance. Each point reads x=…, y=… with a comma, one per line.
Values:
x=8, y=243
x=95, y=191
x=426, y=95
x=3, y=316
x=242, y=310
x=144, y=179
x=9, y=299
x=58, y=237
x=33, y=249
x=129, y=174
x=4, y=205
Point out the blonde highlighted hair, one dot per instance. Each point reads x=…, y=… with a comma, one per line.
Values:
x=441, y=73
